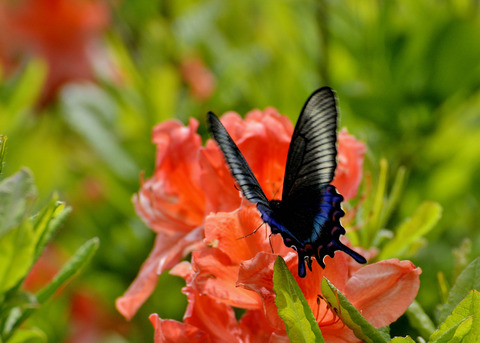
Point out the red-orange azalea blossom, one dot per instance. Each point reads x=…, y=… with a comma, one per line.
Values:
x=198, y=77
x=64, y=33
x=381, y=291
x=191, y=181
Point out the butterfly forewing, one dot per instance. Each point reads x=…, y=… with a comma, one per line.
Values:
x=311, y=160
x=238, y=166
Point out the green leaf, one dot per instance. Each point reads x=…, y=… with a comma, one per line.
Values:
x=3, y=144
x=373, y=225
x=28, y=336
x=350, y=315
x=16, y=196
x=47, y=223
x=394, y=195
x=27, y=88
x=420, y=320
x=293, y=307
x=17, y=248
x=414, y=228
x=463, y=325
x=90, y=112
x=80, y=259
x=407, y=339
x=468, y=280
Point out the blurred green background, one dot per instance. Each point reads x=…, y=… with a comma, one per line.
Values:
x=407, y=75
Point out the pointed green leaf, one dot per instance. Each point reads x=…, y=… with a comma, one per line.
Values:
x=448, y=334
x=420, y=320
x=394, y=195
x=373, y=225
x=48, y=222
x=16, y=195
x=3, y=144
x=414, y=228
x=407, y=339
x=17, y=248
x=468, y=279
x=350, y=315
x=81, y=258
x=463, y=325
x=463, y=330
x=88, y=110
x=28, y=87
x=293, y=307
x=28, y=336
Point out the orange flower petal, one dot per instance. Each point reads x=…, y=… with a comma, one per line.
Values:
x=227, y=231
x=171, y=331
x=349, y=167
x=383, y=291
x=173, y=199
x=61, y=32
x=211, y=316
x=200, y=79
x=263, y=138
x=167, y=252
x=217, y=276
x=221, y=194
x=255, y=328
x=339, y=334
x=257, y=275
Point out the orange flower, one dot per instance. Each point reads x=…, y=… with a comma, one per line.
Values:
x=350, y=162
x=191, y=182
x=208, y=320
x=172, y=204
x=62, y=32
x=381, y=291
x=199, y=78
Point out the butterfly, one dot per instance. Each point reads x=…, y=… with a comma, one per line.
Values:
x=308, y=216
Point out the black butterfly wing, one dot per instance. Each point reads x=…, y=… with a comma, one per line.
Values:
x=238, y=166
x=311, y=207
x=311, y=160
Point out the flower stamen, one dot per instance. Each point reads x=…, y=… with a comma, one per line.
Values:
x=335, y=319
x=251, y=233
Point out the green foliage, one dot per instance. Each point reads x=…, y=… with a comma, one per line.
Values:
x=20, y=93
x=463, y=324
x=17, y=243
x=28, y=336
x=293, y=307
x=411, y=230
x=376, y=214
x=407, y=339
x=468, y=280
x=420, y=320
x=23, y=238
x=3, y=142
x=350, y=315
x=409, y=87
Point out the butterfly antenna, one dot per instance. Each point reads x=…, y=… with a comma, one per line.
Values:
x=276, y=191
x=251, y=233
x=270, y=241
